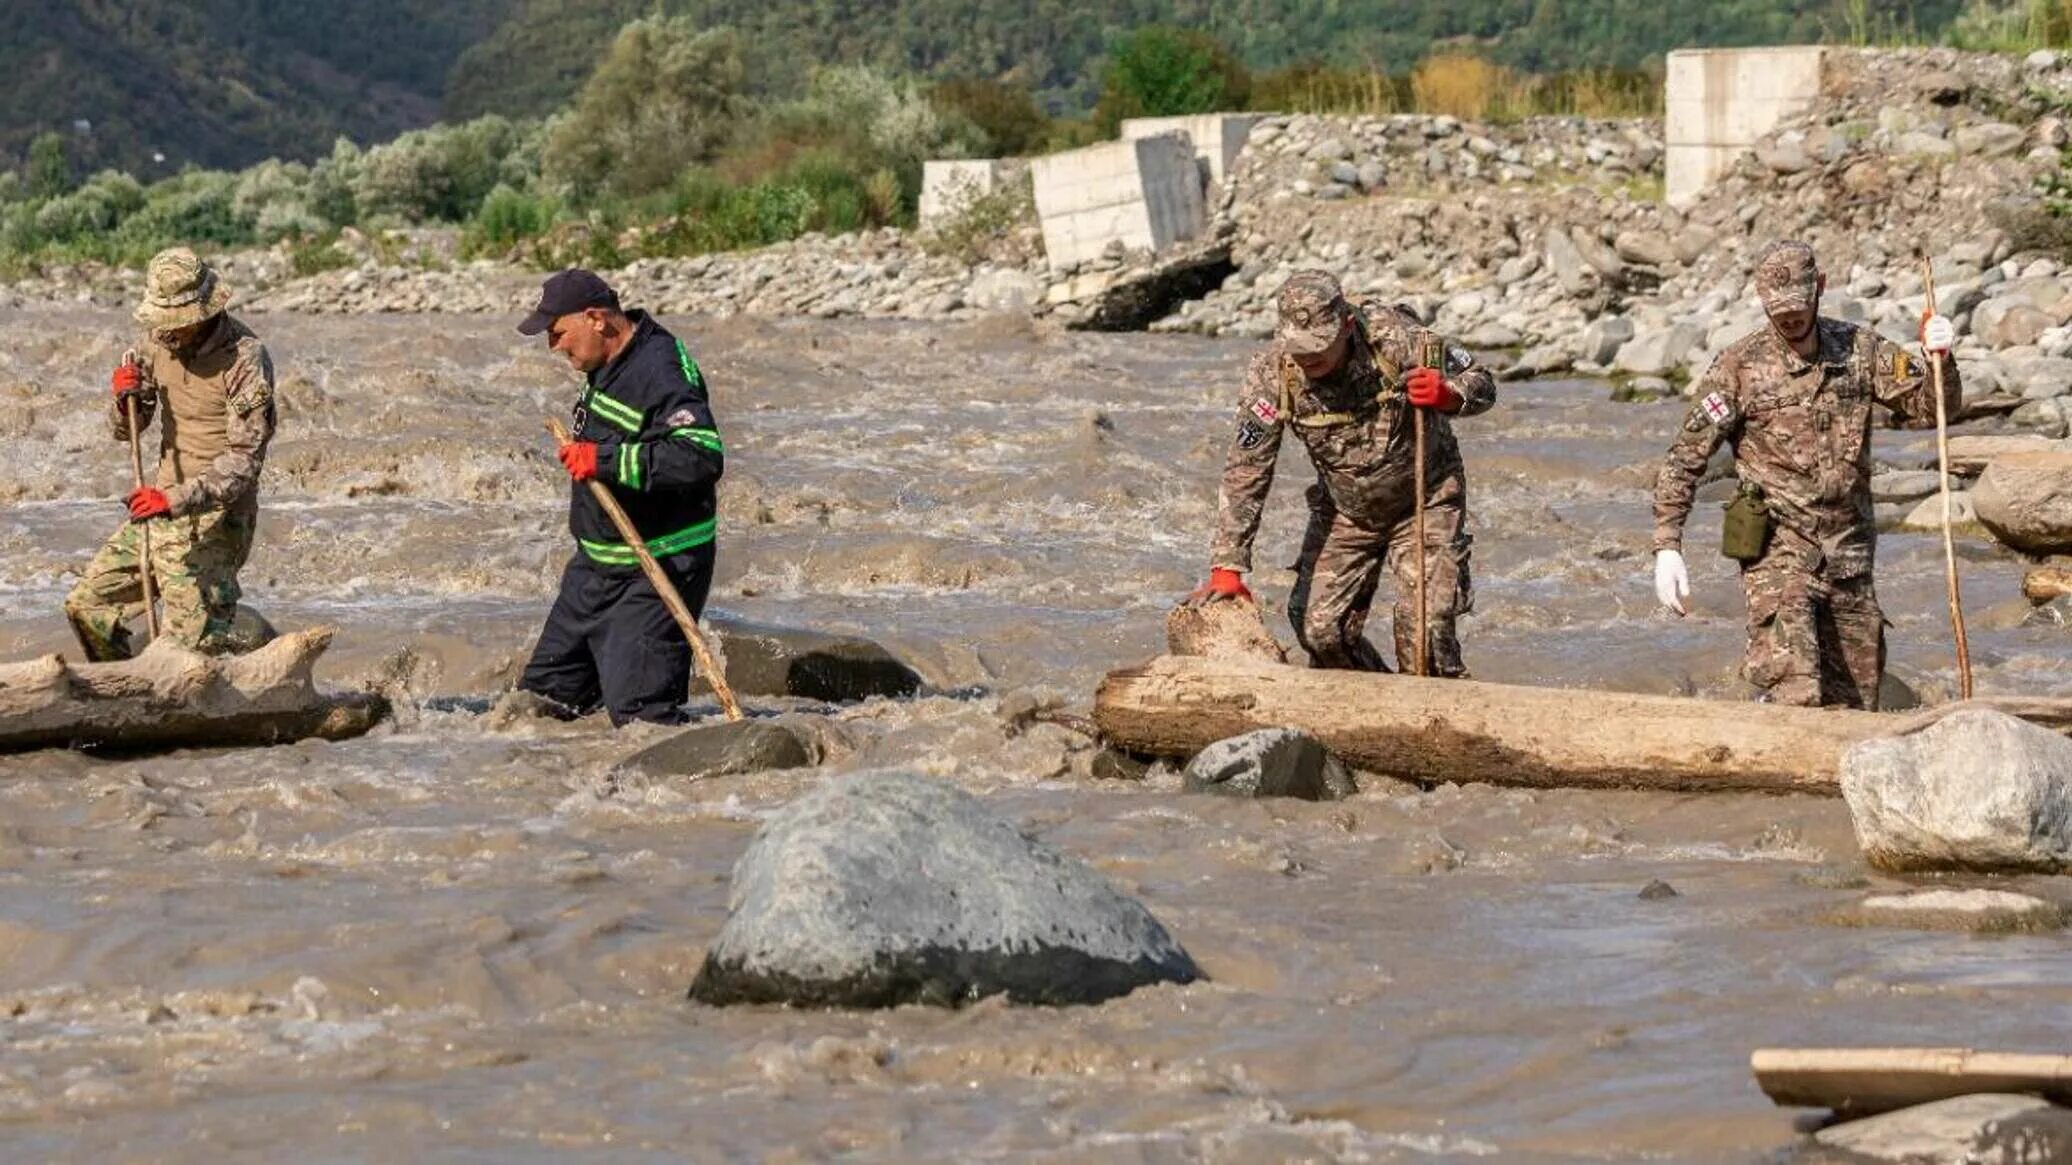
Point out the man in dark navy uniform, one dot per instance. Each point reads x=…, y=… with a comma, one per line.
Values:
x=644, y=428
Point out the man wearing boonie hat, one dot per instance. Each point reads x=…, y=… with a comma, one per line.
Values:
x=1345, y=378
x=1794, y=400
x=211, y=383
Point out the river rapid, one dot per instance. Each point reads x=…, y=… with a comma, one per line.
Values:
x=459, y=940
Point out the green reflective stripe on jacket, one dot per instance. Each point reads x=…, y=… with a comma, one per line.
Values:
x=620, y=554
x=706, y=438
x=690, y=366
x=629, y=466
x=616, y=412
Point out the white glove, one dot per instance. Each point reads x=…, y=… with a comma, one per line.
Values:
x=1938, y=334
x=1672, y=580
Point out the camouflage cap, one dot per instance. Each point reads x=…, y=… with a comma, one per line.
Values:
x=1787, y=277
x=1313, y=313
x=179, y=291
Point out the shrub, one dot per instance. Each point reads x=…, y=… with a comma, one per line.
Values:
x=1005, y=114
x=664, y=97
x=95, y=208
x=50, y=169
x=197, y=208
x=441, y=174
x=1161, y=72
x=506, y=218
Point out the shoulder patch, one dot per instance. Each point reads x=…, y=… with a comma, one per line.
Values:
x=681, y=419
x=1902, y=365
x=1250, y=435
x=1716, y=408
x=1265, y=411
x=1457, y=358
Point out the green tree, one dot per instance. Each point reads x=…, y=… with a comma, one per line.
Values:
x=50, y=170
x=1005, y=114
x=1163, y=72
x=664, y=97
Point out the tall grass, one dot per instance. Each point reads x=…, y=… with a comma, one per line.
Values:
x=1468, y=87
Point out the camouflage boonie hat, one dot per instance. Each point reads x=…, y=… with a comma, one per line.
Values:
x=1313, y=313
x=1787, y=278
x=179, y=291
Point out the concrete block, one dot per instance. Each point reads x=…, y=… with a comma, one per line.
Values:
x=1145, y=194
x=948, y=187
x=1218, y=137
x=1720, y=101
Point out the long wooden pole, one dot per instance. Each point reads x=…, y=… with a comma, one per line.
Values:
x=1942, y=455
x=136, y=444
x=1421, y=657
x=663, y=586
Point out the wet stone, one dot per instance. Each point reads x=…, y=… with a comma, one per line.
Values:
x=833, y=906
x=1960, y=1131
x=1657, y=891
x=1273, y=762
x=765, y=660
x=1974, y=910
x=1978, y=790
x=727, y=749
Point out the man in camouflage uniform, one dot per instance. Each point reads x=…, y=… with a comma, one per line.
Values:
x=1345, y=378
x=1794, y=400
x=214, y=382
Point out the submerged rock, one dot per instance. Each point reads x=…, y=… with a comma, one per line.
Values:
x=1984, y=1127
x=1978, y=790
x=1975, y=910
x=1272, y=762
x=740, y=746
x=889, y=888
x=765, y=660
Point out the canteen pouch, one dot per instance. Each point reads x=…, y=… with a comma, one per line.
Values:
x=1746, y=533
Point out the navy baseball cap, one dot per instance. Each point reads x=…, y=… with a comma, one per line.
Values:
x=567, y=292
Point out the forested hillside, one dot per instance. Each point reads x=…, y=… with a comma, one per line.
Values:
x=230, y=82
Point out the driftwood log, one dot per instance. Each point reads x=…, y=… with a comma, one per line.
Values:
x=1859, y=1082
x=1434, y=731
x=169, y=697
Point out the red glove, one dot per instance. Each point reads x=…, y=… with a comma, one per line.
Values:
x=580, y=459
x=148, y=502
x=126, y=380
x=1222, y=584
x=1429, y=390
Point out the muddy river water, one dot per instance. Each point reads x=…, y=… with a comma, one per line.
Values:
x=456, y=940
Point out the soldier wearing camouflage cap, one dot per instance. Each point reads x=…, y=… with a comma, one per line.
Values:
x=1344, y=379
x=214, y=382
x=1795, y=401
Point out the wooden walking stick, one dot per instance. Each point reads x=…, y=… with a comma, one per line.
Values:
x=1421, y=658
x=1942, y=455
x=661, y=583
x=136, y=443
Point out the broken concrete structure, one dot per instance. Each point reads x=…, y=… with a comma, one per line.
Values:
x=947, y=188
x=1143, y=195
x=1218, y=137
x=1720, y=101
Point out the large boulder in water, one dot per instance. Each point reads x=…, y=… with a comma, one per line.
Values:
x=739, y=746
x=1975, y=1128
x=766, y=660
x=2025, y=499
x=1978, y=790
x=888, y=888
x=1272, y=762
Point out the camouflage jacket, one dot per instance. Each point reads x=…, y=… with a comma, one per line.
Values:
x=219, y=416
x=1355, y=424
x=1801, y=430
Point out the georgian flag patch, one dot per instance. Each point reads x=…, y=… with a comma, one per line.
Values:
x=1717, y=408
x=1265, y=411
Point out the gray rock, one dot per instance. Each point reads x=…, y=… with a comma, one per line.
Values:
x=1492, y=335
x=1905, y=485
x=1345, y=174
x=1927, y=144
x=1973, y=910
x=1964, y=1130
x=1660, y=353
x=888, y=888
x=2008, y=323
x=1645, y=247
x=1978, y=790
x=1373, y=175
x=730, y=749
x=1543, y=360
x=1926, y=517
x=2040, y=61
x=766, y=660
x=1694, y=241
x=1995, y=139
x=1598, y=254
x=1272, y=762
x=1005, y=289
x=2046, y=417
x=1783, y=156
x=1333, y=192
x=2025, y=499
x=1603, y=338
x=1517, y=269
x=1576, y=276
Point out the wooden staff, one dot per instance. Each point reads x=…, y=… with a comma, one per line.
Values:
x=1420, y=659
x=136, y=444
x=1942, y=454
x=661, y=583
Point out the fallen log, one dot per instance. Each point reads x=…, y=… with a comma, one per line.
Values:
x=170, y=697
x=1858, y=1082
x=1434, y=731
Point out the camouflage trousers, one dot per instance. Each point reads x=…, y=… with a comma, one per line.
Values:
x=1813, y=641
x=194, y=565
x=1340, y=568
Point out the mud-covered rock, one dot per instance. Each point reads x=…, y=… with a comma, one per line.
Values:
x=1973, y=910
x=766, y=660
x=1272, y=762
x=735, y=747
x=1964, y=1130
x=888, y=888
x=1978, y=790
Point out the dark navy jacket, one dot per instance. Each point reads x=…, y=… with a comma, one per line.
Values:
x=657, y=448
